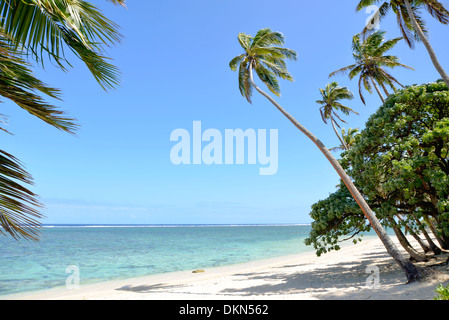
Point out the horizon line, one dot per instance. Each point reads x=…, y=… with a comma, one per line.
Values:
x=46, y=225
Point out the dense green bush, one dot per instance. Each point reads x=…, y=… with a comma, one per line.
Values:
x=400, y=163
x=443, y=292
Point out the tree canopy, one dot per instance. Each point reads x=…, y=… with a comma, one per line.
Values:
x=400, y=163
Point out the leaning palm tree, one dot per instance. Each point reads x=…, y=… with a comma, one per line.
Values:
x=265, y=54
x=411, y=24
x=331, y=96
x=38, y=29
x=370, y=62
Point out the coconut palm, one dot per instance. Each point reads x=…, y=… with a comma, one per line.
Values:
x=370, y=62
x=265, y=54
x=349, y=139
x=331, y=96
x=411, y=24
x=44, y=28
x=39, y=28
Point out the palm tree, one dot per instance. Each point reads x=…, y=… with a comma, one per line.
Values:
x=349, y=139
x=331, y=96
x=18, y=205
x=370, y=60
x=411, y=24
x=43, y=28
x=265, y=54
x=39, y=28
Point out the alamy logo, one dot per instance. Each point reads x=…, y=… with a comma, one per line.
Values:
x=72, y=282
x=373, y=280
x=373, y=21
x=189, y=148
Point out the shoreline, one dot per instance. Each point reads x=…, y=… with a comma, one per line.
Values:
x=337, y=275
x=181, y=276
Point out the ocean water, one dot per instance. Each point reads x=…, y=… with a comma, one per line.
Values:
x=103, y=253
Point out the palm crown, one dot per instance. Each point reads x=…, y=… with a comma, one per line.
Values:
x=433, y=7
x=370, y=59
x=330, y=104
x=331, y=96
x=348, y=138
x=263, y=53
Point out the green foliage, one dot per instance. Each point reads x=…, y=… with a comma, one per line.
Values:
x=330, y=104
x=370, y=62
x=435, y=8
x=37, y=29
x=399, y=162
x=18, y=205
x=263, y=53
x=443, y=292
x=348, y=137
x=401, y=158
x=46, y=27
x=333, y=218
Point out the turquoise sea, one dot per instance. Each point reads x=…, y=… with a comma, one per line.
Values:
x=103, y=253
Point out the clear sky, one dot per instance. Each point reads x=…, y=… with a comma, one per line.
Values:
x=174, y=62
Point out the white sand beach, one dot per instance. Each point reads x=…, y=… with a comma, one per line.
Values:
x=336, y=275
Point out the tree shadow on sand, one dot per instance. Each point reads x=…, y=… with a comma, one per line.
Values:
x=345, y=280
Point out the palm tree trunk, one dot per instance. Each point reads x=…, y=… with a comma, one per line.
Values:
x=426, y=43
x=377, y=89
x=343, y=143
x=411, y=271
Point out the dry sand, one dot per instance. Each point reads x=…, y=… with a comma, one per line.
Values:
x=339, y=274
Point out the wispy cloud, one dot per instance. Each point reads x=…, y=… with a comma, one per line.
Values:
x=81, y=204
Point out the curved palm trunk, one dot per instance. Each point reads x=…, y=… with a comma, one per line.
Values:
x=377, y=89
x=343, y=143
x=426, y=43
x=411, y=271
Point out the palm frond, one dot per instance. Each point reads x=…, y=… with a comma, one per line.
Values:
x=386, y=46
x=235, y=62
x=265, y=55
x=18, y=205
x=266, y=38
x=277, y=70
x=437, y=10
x=245, y=40
x=268, y=78
x=342, y=71
x=18, y=84
x=370, y=58
x=120, y=2
x=44, y=28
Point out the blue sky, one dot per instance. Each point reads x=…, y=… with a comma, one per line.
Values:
x=174, y=62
